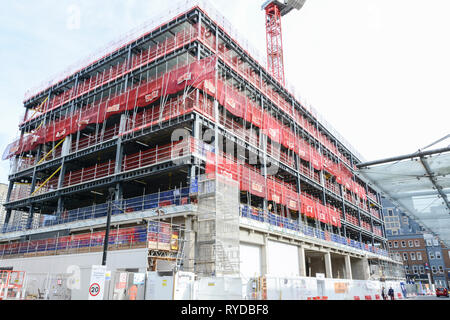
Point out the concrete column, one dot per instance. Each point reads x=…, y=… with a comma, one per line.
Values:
x=366, y=269
x=302, y=261
x=348, y=268
x=7, y=218
x=328, y=269
x=30, y=217
x=65, y=150
x=264, y=258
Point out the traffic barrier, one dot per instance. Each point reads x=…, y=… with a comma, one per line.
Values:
x=368, y=297
x=356, y=298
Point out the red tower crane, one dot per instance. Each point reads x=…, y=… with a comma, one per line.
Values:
x=274, y=11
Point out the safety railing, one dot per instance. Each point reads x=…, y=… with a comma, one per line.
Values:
x=20, y=191
x=251, y=76
x=374, y=212
x=310, y=173
x=87, y=174
x=188, y=34
x=280, y=155
x=127, y=238
x=296, y=225
x=155, y=155
x=351, y=219
x=362, y=204
x=366, y=225
x=332, y=187
x=239, y=130
x=88, y=140
x=350, y=198
x=372, y=196
x=175, y=197
x=154, y=116
x=378, y=231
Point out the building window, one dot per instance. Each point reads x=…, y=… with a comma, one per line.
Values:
x=431, y=255
x=416, y=271
x=390, y=212
x=435, y=242
x=441, y=269
x=390, y=244
x=403, y=244
x=422, y=269
x=395, y=244
x=438, y=255
x=413, y=256
x=433, y=268
x=394, y=232
x=405, y=256
x=410, y=243
x=429, y=243
x=416, y=242
x=406, y=269
x=419, y=255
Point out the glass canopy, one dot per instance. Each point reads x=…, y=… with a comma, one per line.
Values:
x=418, y=183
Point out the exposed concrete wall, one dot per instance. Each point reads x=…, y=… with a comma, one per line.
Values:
x=339, y=268
x=315, y=264
x=360, y=269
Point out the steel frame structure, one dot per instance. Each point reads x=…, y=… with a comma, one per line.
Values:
x=267, y=91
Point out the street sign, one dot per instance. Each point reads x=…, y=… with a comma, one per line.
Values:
x=97, y=283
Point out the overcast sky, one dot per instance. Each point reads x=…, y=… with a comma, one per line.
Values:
x=378, y=70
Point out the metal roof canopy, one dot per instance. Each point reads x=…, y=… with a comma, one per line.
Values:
x=419, y=183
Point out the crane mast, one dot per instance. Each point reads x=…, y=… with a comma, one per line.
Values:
x=274, y=11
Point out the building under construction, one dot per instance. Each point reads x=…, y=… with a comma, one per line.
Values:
x=206, y=162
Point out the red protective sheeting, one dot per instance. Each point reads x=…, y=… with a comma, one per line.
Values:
x=225, y=167
x=308, y=207
x=288, y=138
x=303, y=149
x=322, y=213
x=316, y=159
x=290, y=199
x=232, y=100
x=274, y=191
x=193, y=74
x=272, y=127
x=335, y=217
x=253, y=182
x=257, y=116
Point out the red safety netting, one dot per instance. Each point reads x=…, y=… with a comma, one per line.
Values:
x=252, y=181
x=169, y=44
x=308, y=206
x=193, y=74
x=290, y=198
x=303, y=149
x=272, y=127
x=274, y=191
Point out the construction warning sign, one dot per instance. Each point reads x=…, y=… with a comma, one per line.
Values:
x=97, y=283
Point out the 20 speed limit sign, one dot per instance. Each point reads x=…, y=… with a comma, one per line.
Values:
x=94, y=289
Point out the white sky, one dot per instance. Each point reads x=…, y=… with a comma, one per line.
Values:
x=378, y=70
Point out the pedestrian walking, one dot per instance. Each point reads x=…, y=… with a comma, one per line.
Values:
x=391, y=293
x=383, y=293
